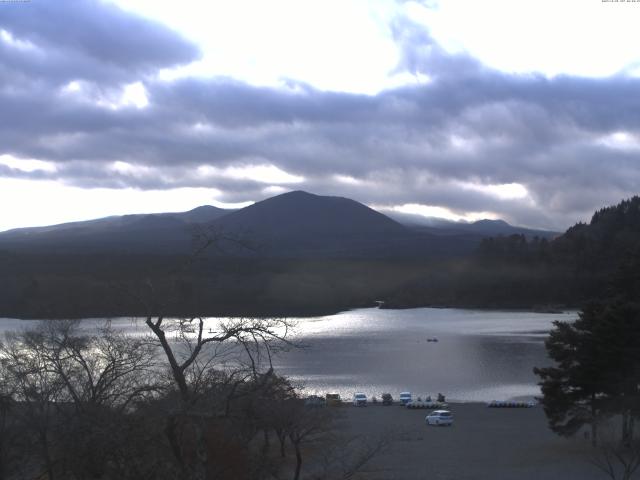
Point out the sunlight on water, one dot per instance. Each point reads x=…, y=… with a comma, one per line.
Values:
x=478, y=356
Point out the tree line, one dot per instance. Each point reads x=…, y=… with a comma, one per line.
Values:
x=516, y=271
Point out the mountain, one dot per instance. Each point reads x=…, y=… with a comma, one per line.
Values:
x=157, y=232
x=300, y=223
x=300, y=213
x=483, y=228
x=500, y=227
x=294, y=225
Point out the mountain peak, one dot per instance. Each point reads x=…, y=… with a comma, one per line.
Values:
x=302, y=217
x=301, y=195
x=296, y=193
x=203, y=208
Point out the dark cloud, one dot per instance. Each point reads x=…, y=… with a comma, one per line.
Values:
x=89, y=40
x=427, y=143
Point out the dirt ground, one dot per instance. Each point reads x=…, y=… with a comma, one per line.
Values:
x=483, y=443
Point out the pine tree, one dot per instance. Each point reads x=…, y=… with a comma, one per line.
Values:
x=573, y=390
x=597, y=371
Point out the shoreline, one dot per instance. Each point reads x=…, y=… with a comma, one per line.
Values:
x=321, y=313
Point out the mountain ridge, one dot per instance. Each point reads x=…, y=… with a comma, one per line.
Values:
x=209, y=213
x=294, y=224
x=484, y=227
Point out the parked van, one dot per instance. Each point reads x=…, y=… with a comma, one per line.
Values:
x=333, y=399
x=405, y=397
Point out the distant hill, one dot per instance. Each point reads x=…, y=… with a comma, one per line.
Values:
x=483, y=228
x=587, y=262
x=611, y=237
x=156, y=232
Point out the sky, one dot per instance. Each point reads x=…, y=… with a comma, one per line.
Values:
x=461, y=109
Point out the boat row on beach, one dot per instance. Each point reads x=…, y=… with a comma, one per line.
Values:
x=426, y=404
x=506, y=404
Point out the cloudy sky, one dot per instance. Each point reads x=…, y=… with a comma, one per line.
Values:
x=516, y=109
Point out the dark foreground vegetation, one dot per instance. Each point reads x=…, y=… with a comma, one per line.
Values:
x=179, y=403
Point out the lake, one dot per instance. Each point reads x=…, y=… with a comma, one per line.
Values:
x=479, y=355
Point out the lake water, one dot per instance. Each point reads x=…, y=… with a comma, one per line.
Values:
x=479, y=355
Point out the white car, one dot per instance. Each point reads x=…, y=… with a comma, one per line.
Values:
x=405, y=397
x=359, y=400
x=439, y=417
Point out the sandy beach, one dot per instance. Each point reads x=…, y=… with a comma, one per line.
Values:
x=491, y=443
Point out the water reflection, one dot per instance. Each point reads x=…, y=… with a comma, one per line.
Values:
x=479, y=355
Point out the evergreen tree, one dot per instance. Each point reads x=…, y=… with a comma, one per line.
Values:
x=573, y=389
x=618, y=333
x=597, y=371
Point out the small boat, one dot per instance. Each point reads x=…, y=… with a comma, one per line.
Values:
x=432, y=339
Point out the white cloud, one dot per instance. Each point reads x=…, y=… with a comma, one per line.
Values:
x=8, y=39
x=348, y=180
x=135, y=94
x=438, y=212
x=27, y=164
x=578, y=37
x=273, y=190
x=262, y=173
x=265, y=42
x=129, y=169
x=505, y=191
x=130, y=95
x=620, y=141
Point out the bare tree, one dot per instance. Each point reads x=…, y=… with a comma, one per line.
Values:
x=8, y=434
x=321, y=452
x=37, y=390
x=618, y=459
x=101, y=368
x=346, y=457
x=255, y=338
x=243, y=347
x=72, y=389
x=305, y=425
